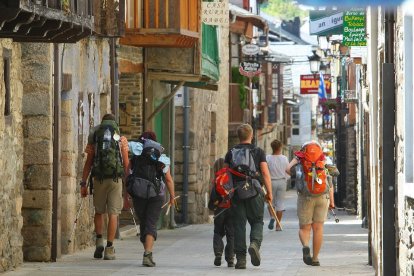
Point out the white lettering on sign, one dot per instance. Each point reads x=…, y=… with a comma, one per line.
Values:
x=215, y=13
x=326, y=23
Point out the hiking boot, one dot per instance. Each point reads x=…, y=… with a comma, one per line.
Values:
x=307, y=259
x=230, y=264
x=109, y=253
x=271, y=222
x=217, y=260
x=241, y=264
x=147, y=260
x=254, y=254
x=99, y=248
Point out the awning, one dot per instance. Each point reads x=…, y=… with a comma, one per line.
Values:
x=237, y=13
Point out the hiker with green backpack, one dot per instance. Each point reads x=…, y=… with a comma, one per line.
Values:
x=107, y=163
x=315, y=197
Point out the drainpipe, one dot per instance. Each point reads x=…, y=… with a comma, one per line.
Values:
x=114, y=79
x=56, y=231
x=172, y=156
x=186, y=148
x=389, y=223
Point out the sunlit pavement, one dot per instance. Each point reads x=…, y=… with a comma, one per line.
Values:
x=188, y=251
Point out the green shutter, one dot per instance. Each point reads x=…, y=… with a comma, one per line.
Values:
x=210, y=52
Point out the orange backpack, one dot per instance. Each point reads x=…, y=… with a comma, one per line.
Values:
x=312, y=160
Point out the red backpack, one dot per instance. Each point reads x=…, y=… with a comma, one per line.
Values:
x=312, y=160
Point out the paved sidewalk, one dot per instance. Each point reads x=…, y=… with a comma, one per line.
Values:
x=188, y=251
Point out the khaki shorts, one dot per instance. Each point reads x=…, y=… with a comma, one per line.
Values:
x=312, y=209
x=107, y=196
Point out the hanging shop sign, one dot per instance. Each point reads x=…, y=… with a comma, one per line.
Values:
x=250, y=49
x=325, y=22
x=250, y=68
x=309, y=84
x=215, y=13
x=354, y=33
x=350, y=3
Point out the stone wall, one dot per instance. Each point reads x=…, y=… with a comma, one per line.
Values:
x=11, y=163
x=351, y=199
x=406, y=234
x=130, y=91
x=84, y=99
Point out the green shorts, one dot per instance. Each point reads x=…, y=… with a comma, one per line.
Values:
x=107, y=196
x=312, y=209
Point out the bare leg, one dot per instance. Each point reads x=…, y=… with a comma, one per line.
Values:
x=98, y=220
x=112, y=226
x=149, y=243
x=317, y=228
x=304, y=234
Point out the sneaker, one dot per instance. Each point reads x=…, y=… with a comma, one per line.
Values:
x=241, y=264
x=307, y=259
x=271, y=222
x=109, y=253
x=254, y=254
x=99, y=248
x=147, y=260
x=217, y=261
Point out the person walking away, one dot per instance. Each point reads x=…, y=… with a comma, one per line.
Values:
x=315, y=196
x=107, y=162
x=223, y=222
x=146, y=185
x=248, y=200
x=278, y=163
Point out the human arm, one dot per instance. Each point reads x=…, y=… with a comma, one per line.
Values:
x=124, y=154
x=331, y=193
x=170, y=186
x=292, y=163
x=90, y=151
x=266, y=179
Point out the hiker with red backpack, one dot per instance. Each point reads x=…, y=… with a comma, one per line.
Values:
x=220, y=203
x=107, y=162
x=150, y=177
x=315, y=197
x=248, y=199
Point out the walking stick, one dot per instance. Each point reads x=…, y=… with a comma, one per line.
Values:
x=336, y=218
x=169, y=202
x=133, y=217
x=221, y=212
x=76, y=220
x=272, y=211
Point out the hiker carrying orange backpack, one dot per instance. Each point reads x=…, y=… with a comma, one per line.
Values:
x=314, y=197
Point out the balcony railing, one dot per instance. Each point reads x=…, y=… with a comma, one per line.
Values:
x=163, y=23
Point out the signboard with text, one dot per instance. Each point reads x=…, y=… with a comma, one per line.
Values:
x=309, y=84
x=325, y=22
x=215, y=13
x=354, y=33
x=250, y=68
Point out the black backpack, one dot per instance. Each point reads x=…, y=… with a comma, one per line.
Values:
x=147, y=175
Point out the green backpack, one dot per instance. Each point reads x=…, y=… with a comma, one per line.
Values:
x=108, y=160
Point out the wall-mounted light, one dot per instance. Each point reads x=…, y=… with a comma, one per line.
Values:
x=314, y=62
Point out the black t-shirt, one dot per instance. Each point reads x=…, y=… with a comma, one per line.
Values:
x=259, y=155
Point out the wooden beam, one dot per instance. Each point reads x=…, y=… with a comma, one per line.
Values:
x=126, y=66
x=166, y=100
x=164, y=76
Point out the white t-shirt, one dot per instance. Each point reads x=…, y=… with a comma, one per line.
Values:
x=277, y=166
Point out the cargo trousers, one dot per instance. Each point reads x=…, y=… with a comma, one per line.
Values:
x=247, y=210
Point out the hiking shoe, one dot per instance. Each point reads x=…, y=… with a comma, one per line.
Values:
x=316, y=263
x=147, y=260
x=109, y=253
x=241, y=264
x=99, y=248
x=230, y=264
x=254, y=254
x=217, y=261
x=307, y=259
x=271, y=222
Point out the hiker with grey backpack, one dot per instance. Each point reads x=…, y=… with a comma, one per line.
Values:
x=147, y=184
x=107, y=163
x=247, y=204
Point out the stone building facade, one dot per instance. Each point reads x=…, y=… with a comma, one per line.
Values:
x=11, y=151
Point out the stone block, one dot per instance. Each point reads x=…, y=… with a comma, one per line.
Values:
x=38, y=127
x=38, y=177
x=191, y=198
x=37, y=152
x=36, y=217
x=68, y=185
x=36, y=235
x=37, y=104
x=36, y=253
x=37, y=199
x=68, y=164
x=67, y=142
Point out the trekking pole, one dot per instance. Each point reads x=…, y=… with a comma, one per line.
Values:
x=76, y=220
x=219, y=213
x=169, y=202
x=272, y=210
x=133, y=217
x=336, y=218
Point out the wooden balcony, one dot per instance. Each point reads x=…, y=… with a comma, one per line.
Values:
x=57, y=21
x=162, y=23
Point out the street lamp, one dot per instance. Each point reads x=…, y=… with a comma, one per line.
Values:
x=314, y=62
